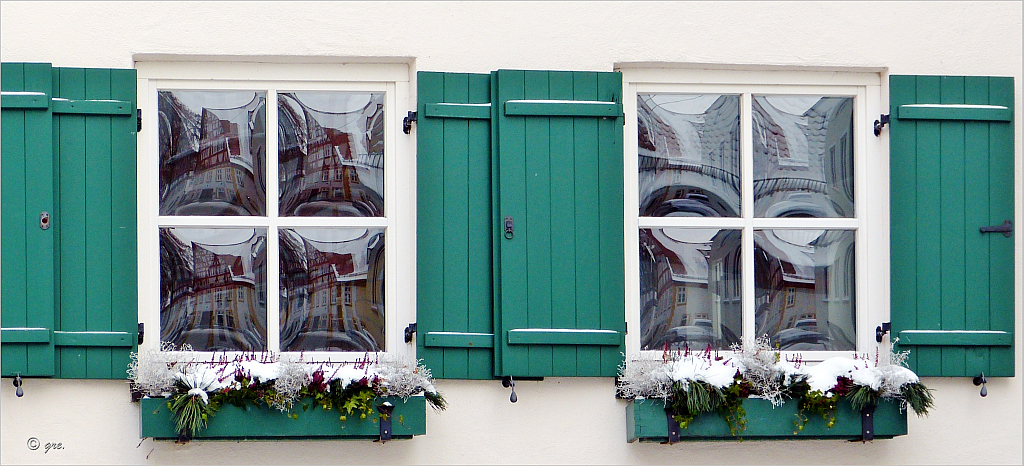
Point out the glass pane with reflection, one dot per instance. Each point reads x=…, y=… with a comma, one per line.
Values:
x=803, y=156
x=689, y=155
x=331, y=154
x=212, y=152
x=805, y=289
x=332, y=289
x=213, y=288
x=690, y=288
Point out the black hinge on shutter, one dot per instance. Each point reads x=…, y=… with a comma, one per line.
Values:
x=138, y=116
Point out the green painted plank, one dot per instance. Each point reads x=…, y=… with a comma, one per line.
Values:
x=539, y=192
x=231, y=422
x=903, y=211
x=612, y=250
x=646, y=421
x=586, y=196
x=99, y=179
x=954, y=112
x=976, y=176
x=27, y=254
x=429, y=222
x=93, y=107
x=96, y=339
x=1001, y=193
x=563, y=219
x=510, y=152
x=10, y=100
x=563, y=108
x=955, y=338
x=123, y=221
x=497, y=236
x=951, y=231
x=459, y=340
x=583, y=337
x=72, y=225
x=458, y=110
x=481, y=313
x=24, y=335
x=456, y=223
x=928, y=214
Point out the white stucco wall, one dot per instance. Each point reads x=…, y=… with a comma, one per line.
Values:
x=557, y=420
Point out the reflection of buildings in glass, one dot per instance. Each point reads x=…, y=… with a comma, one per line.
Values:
x=209, y=165
x=805, y=288
x=331, y=164
x=209, y=294
x=689, y=162
x=332, y=293
x=803, y=164
x=689, y=290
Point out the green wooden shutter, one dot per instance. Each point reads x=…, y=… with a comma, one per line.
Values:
x=544, y=148
x=26, y=280
x=558, y=146
x=90, y=292
x=951, y=172
x=454, y=326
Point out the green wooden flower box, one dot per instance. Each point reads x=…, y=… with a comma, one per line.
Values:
x=230, y=422
x=646, y=421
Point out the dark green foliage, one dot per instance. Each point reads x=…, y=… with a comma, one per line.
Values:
x=862, y=396
x=696, y=398
x=918, y=397
x=190, y=414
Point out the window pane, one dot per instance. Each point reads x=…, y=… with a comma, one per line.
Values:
x=332, y=289
x=212, y=152
x=803, y=156
x=689, y=148
x=331, y=154
x=690, y=288
x=804, y=282
x=213, y=288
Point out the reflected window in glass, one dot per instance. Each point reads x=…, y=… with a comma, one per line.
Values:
x=689, y=155
x=320, y=133
x=201, y=134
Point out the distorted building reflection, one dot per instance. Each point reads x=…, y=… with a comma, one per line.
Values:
x=212, y=159
x=332, y=293
x=210, y=289
x=690, y=288
x=689, y=149
x=804, y=288
x=689, y=166
x=331, y=154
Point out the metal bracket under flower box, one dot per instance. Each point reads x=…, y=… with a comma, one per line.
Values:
x=646, y=421
x=230, y=422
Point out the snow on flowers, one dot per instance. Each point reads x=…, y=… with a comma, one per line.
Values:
x=694, y=383
x=198, y=385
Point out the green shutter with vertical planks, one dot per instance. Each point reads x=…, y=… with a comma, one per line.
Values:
x=545, y=149
x=92, y=279
x=455, y=335
x=27, y=278
x=557, y=143
x=951, y=159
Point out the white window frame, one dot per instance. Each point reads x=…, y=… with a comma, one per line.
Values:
x=392, y=79
x=871, y=188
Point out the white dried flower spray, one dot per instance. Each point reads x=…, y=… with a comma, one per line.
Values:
x=403, y=377
x=644, y=377
x=759, y=364
x=154, y=371
x=291, y=377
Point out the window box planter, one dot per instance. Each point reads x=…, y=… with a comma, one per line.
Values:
x=231, y=422
x=646, y=421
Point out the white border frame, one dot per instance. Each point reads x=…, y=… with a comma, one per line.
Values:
x=392, y=79
x=871, y=189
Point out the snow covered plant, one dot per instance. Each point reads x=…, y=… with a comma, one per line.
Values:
x=696, y=383
x=197, y=388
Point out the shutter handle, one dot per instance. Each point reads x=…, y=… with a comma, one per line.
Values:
x=44, y=220
x=1006, y=229
x=509, y=227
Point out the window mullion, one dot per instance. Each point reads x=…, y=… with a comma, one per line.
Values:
x=273, y=244
x=747, y=211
